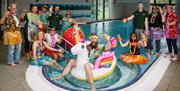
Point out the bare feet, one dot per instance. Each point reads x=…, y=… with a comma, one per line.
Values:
x=13, y=65
x=93, y=88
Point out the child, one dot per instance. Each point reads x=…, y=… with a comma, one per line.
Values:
x=38, y=52
x=134, y=46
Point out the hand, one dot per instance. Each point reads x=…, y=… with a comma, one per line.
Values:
x=119, y=37
x=125, y=20
x=106, y=37
x=35, y=62
x=146, y=32
x=7, y=13
x=143, y=36
x=51, y=8
x=61, y=51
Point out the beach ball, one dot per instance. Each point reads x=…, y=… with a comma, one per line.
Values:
x=69, y=35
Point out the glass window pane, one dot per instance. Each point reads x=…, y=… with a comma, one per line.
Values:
x=107, y=6
x=173, y=1
x=93, y=10
x=162, y=1
x=100, y=9
x=151, y=1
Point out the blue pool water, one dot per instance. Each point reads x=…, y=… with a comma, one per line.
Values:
x=124, y=74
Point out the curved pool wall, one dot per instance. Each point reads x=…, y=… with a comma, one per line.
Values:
x=111, y=28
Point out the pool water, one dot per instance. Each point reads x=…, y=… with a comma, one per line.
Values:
x=124, y=74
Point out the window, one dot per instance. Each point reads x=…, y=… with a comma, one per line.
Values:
x=101, y=9
x=161, y=3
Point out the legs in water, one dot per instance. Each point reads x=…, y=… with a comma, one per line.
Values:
x=55, y=56
x=67, y=69
x=89, y=76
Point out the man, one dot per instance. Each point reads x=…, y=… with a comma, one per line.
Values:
x=55, y=19
x=52, y=38
x=12, y=36
x=95, y=50
x=140, y=18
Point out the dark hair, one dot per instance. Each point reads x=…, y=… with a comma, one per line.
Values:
x=55, y=7
x=155, y=6
x=137, y=37
x=93, y=34
x=140, y=3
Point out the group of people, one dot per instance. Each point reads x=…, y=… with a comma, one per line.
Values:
x=46, y=24
x=41, y=41
x=156, y=26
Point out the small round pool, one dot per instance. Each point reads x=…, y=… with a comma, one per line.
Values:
x=124, y=74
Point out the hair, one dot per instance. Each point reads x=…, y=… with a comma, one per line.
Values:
x=156, y=8
x=37, y=8
x=140, y=3
x=36, y=36
x=45, y=7
x=137, y=37
x=55, y=7
x=92, y=34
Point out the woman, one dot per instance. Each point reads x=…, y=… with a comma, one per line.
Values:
x=171, y=32
x=38, y=52
x=12, y=36
x=31, y=19
x=156, y=20
x=68, y=21
x=134, y=46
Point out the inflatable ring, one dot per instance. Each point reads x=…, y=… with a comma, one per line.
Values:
x=135, y=59
x=97, y=73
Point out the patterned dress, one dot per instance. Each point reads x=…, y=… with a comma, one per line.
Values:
x=171, y=31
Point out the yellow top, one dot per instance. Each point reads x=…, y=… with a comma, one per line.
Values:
x=12, y=34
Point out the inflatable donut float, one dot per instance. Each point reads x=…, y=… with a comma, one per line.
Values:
x=70, y=36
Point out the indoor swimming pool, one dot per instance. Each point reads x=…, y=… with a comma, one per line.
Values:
x=124, y=74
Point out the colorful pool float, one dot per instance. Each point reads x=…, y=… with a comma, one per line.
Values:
x=98, y=71
x=135, y=59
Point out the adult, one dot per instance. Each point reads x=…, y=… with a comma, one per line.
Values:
x=156, y=21
x=31, y=19
x=95, y=50
x=140, y=19
x=68, y=21
x=55, y=18
x=12, y=36
x=171, y=32
x=44, y=15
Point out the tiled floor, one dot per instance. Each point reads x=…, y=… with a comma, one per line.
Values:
x=13, y=78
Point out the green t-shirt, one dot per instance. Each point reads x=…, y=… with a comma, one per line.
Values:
x=139, y=19
x=93, y=54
